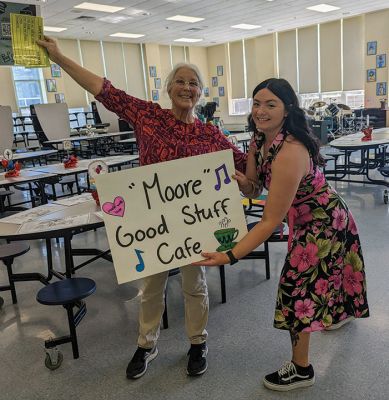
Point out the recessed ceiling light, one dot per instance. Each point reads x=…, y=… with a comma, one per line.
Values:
x=115, y=19
x=188, y=40
x=184, y=18
x=53, y=29
x=246, y=26
x=98, y=7
x=127, y=35
x=323, y=8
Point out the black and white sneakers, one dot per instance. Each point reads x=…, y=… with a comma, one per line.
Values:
x=197, y=363
x=290, y=376
x=138, y=364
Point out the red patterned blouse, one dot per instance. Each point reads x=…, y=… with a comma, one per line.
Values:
x=160, y=136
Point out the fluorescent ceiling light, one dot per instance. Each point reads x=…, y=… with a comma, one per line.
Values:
x=127, y=35
x=323, y=8
x=184, y=18
x=99, y=7
x=188, y=40
x=246, y=26
x=53, y=29
x=115, y=19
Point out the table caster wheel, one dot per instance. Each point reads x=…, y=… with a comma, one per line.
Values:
x=53, y=359
x=386, y=196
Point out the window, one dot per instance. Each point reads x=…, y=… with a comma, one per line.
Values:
x=307, y=99
x=332, y=97
x=355, y=99
x=241, y=106
x=28, y=86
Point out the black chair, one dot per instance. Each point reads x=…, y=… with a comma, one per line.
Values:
x=68, y=293
x=7, y=254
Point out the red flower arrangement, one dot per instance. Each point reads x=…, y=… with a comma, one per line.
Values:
x=12, y=169
x=70, y=162
x=367, y=132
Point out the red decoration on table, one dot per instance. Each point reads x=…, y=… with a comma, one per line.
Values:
x=12, y=169
x=70, y=162
x=367, y=132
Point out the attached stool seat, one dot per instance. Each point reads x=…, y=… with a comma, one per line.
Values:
x=68, y=293
x=7, y=254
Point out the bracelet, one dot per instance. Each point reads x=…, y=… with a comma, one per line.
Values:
x=232, y=258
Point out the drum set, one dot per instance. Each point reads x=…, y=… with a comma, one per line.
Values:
x=340, y=118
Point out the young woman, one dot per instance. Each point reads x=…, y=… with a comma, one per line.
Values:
x=323, y=282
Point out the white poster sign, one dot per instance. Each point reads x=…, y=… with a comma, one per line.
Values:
x=161, y=216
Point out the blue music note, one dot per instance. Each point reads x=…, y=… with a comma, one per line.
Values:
x=227, y=179
x=141, y=266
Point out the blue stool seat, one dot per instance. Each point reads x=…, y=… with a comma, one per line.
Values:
x=68, y=293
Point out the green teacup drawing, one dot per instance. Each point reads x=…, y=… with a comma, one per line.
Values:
x=226, y=238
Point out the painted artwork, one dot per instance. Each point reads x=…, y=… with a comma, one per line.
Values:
x=381, y=61
x=51, y=85
x=214, y=81
x=155, y=95
x=219, y=70
x=55, y=70
x=59, y=98
x=157, y=83
x=153, y=71
x=371, y=75
x=206, y=92
x=381, y=89
x=371, y=48
x=166, y=214
x=221, y=91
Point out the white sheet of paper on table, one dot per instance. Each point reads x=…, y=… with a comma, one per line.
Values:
x=48, y=225
x=71, y=201
x=31, y=214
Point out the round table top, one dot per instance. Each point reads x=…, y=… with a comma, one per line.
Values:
x=379, y=137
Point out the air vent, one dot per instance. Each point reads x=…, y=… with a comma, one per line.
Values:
x=193, y=29
x=85, y=18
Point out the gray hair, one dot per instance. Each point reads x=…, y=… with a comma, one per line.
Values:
x=173, y=72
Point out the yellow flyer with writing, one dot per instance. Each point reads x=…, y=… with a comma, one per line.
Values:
x=25, y=31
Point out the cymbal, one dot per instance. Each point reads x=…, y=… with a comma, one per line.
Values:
x=319, y=104
x=343, y=106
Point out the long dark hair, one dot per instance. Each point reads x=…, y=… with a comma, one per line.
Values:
x=295, y=123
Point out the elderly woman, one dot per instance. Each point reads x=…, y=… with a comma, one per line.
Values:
x=162, y=135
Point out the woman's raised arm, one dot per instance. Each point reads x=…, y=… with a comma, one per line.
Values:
x=87, y=79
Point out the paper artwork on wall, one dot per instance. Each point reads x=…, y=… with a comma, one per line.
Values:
x=157, y=83
x=59, y=98
x=381, y=89
x=221, y=91
x=371, y=75
x=219, y=69
x=216, y=100
x=55, y=71
x=372, y=48
x=153, y=71
x=381, y=61
x=206, y=92
x=214, y=81
x=155, y=95
x=51, y=85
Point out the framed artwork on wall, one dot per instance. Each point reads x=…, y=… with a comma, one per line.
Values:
x=214, y=81
x=371, y=75
x=55, y=71
x=51, y=85
x=381, y=89
x=221, y=91
x=381, y=61
x=157, y=83
x=206, y=92
x=219, y=70
x=59, y=98
x=153, y=71
x=216, y=100
x=371, y=48
x=155, y=95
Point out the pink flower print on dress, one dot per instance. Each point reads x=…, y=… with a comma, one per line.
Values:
x=315, y=326
x=337, y=279
x=323, y=199
x=302, y=258
x=352, y=227
x=304, y=309
x=321, y=287
x=352, y=280
x=302, y=214
x=340, y=219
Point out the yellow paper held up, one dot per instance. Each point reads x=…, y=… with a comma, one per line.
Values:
x=25, y=31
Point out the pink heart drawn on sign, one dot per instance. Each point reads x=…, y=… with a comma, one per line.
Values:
x=116, y=208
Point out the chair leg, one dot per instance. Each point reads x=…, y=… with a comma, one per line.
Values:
x=222, y=273
x=165, y=322
x=8, y=263
x=267, y=259
x=72, y=328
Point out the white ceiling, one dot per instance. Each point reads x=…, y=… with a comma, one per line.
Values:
x=277, y=15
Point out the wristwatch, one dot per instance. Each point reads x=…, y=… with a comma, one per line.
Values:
x=232, y=258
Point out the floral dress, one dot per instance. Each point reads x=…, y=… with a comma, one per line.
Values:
x=323, y=279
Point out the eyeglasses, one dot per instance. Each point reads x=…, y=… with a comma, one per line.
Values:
x=182, y=83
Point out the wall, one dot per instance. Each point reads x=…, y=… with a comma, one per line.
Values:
x=7, y=92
